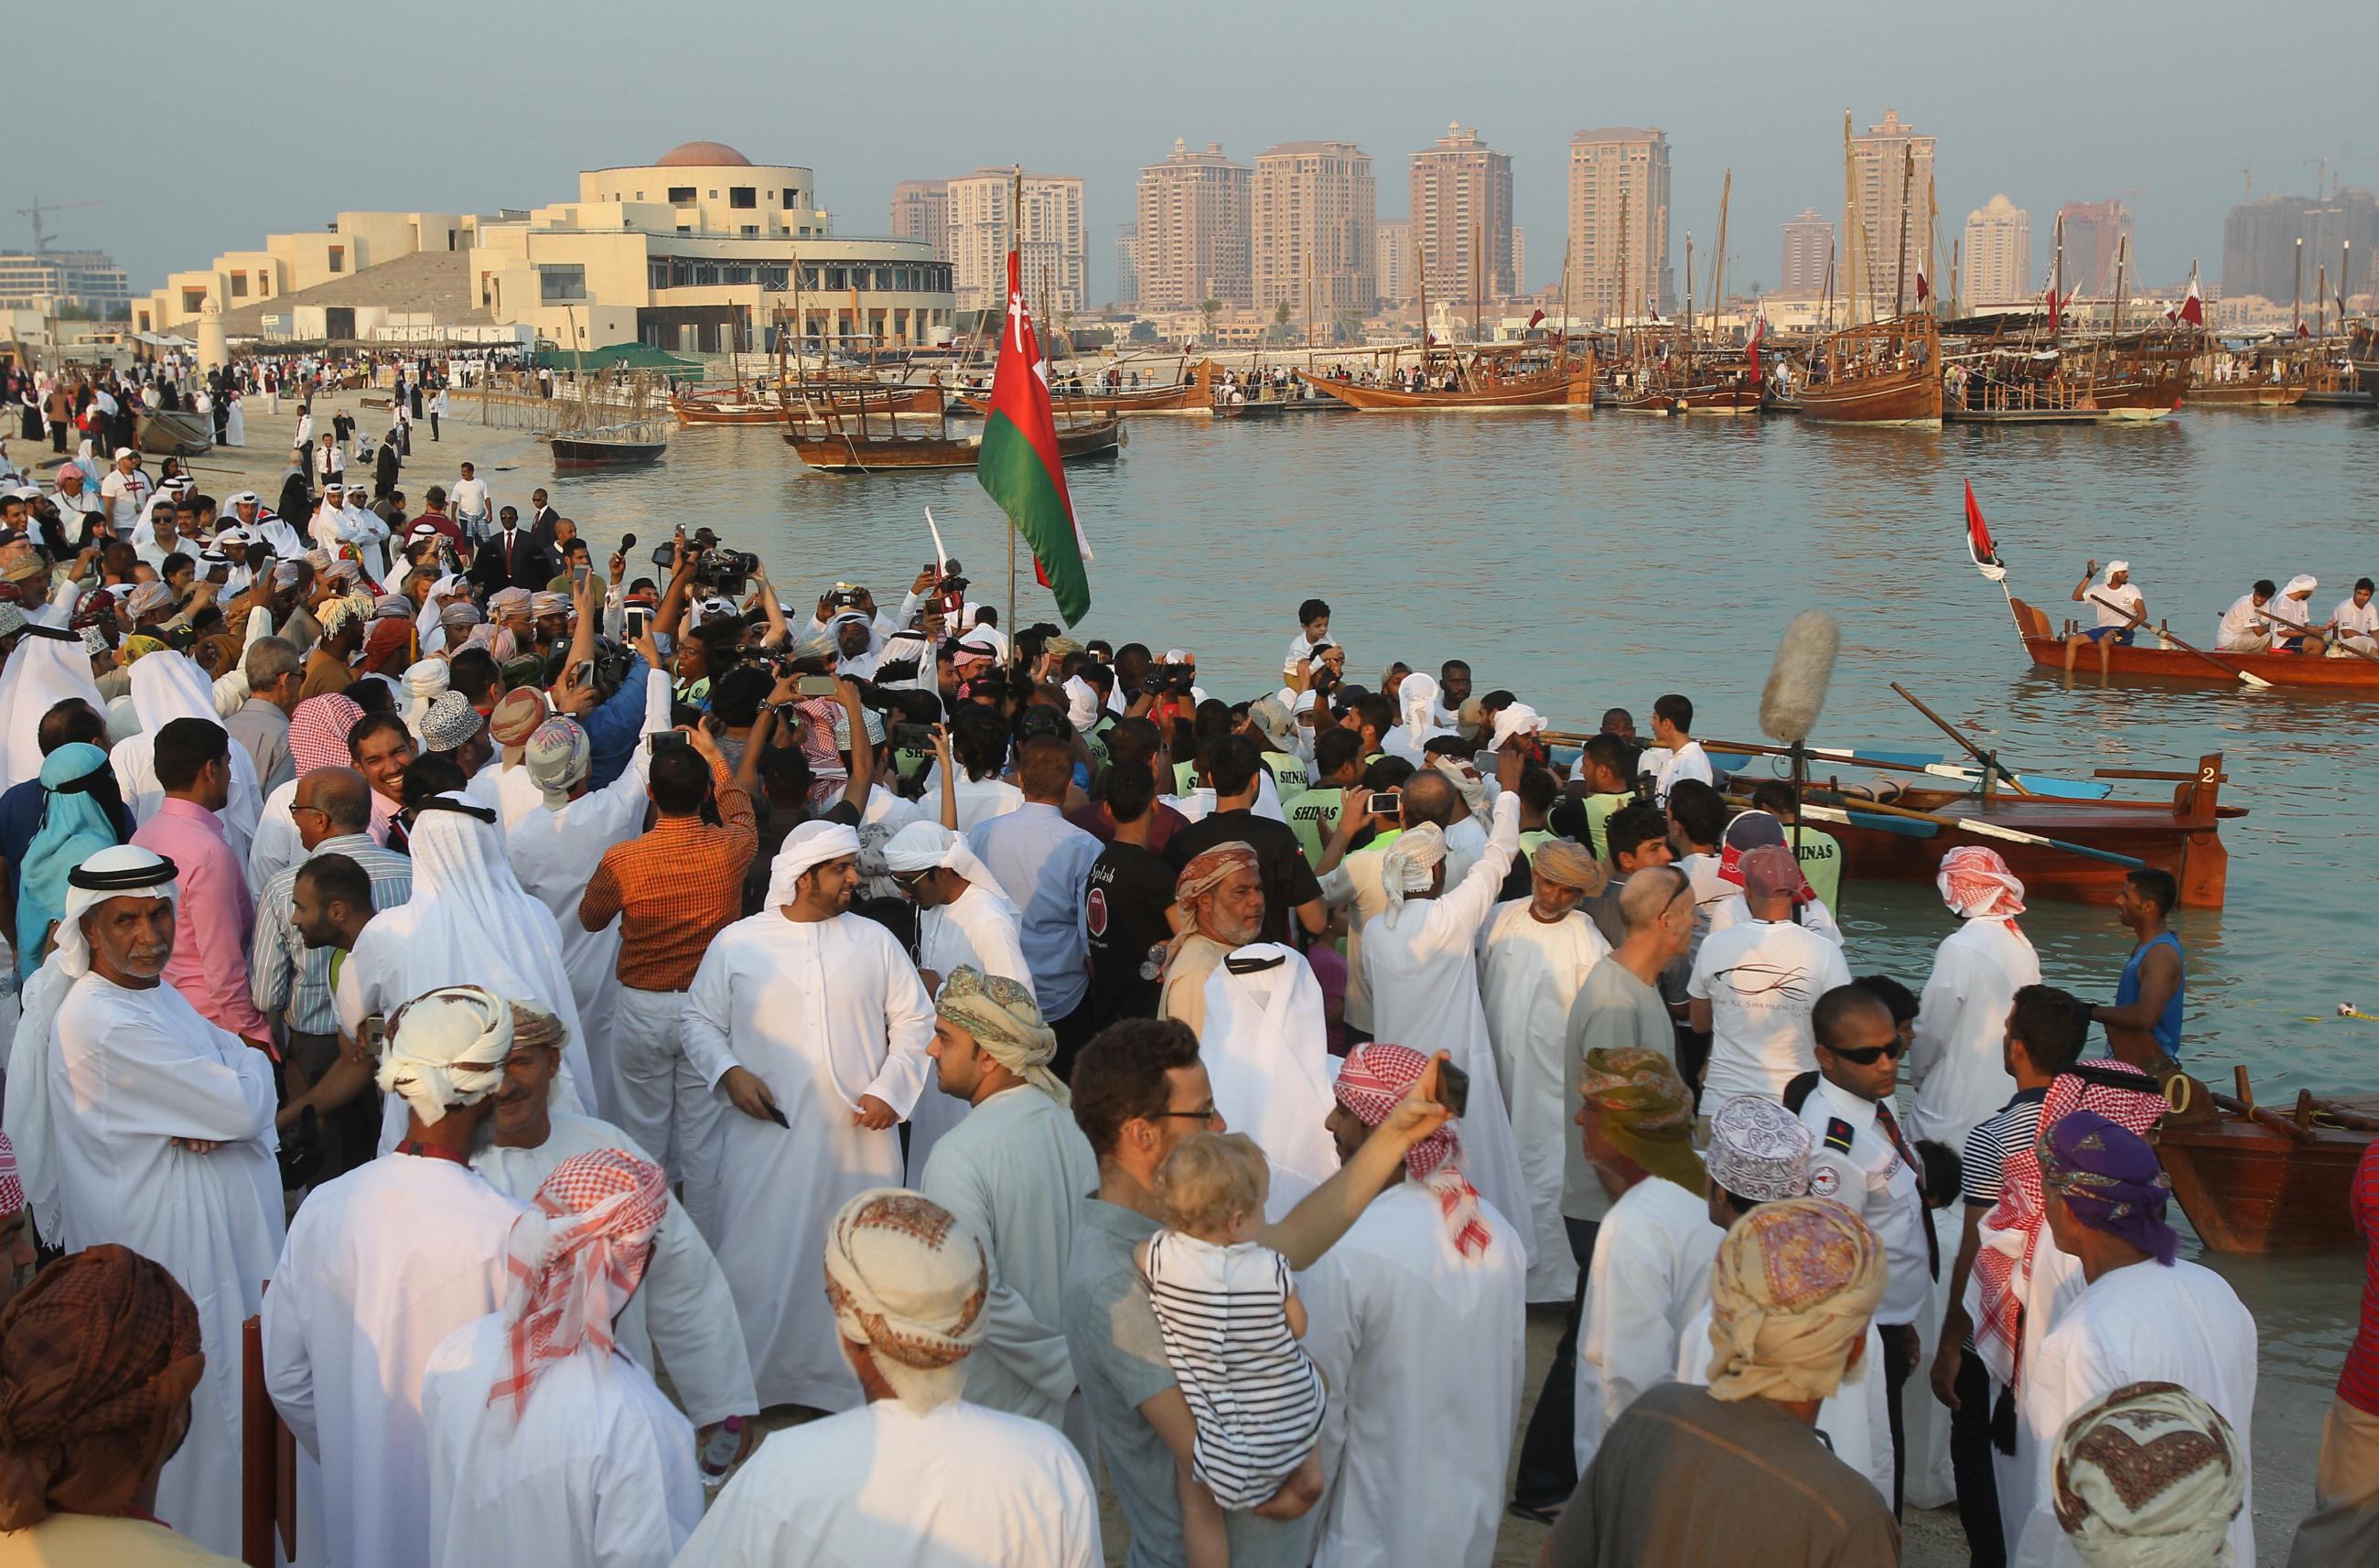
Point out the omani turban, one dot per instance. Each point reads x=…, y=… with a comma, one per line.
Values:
x=1790, y=1292
x=909, y=1283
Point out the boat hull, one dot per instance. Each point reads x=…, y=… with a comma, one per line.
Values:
x=2248, y=1186
x=2245, y=395
x=2143, y=659
x=1195, y=395
x=177, y=433
x=569, y=453
x=1908, y=399
x=848, y=454
x=2191, y=848
x=1570, y=389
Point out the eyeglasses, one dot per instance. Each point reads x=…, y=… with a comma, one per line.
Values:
x=1873, y=1054
x=1209, y=1114
x=314, y=810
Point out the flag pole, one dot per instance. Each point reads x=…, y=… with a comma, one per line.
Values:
x=1015, y=237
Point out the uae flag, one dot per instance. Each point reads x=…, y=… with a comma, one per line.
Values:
x=1979, y=544
x=1019, y=464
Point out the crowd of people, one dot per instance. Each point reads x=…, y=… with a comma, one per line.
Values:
x=618, y=1009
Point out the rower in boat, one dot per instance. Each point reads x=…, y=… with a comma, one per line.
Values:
x=2121, y=607
x=2243, y=628
x=2356, y=623
x=2294, y=608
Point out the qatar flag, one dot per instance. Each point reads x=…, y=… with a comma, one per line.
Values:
x=1923, y=289
x=1751, y=349
x=1979, y=544
x=2193, y=309
x=1536, y=318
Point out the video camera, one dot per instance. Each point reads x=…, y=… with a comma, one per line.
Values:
x=726, y=573
x=950, y=590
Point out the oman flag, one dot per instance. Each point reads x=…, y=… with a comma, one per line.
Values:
x=1019, y=464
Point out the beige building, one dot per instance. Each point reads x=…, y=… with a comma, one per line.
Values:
x=1808, y=254
x=921, y=209
x=1393, y=258
x=1619, y=180
x=1053, y=254
x=698, y=251
x=1126, y=292
x=1194, y=226
x=1891, y=166
x=1313, y=229
x=2096, y=234
x=1997, y=268
x=1462, y=216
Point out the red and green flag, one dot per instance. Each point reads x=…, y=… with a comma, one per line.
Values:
x=1019, y=462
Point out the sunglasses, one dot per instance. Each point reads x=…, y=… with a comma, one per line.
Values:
x=1872, y=1054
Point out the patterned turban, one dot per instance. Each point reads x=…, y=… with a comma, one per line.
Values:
x=12, y=1191
x=505, y=603
x=148, y=599
x=319, y=731
x=136, y=647
x=1006, y=1022
x=1758, y=1150
x=1372, y=1083
x=1210, y=869
x=573, y=1258
x=392, y=607
x=559, y=756
x=909, y=1283
x=541, y=605
x=516, y=716
x=1411, y=862
x=446, y=1050
x=1646, y=1110
x=2110, y=1179
x=2150, y=1477
x=1976, y=885
x=98, y=1356
x=339, y=613
x=1790, y=1292
x=449, y=723
x=1564, y=863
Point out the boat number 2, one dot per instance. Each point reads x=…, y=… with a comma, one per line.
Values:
x=2206, y=776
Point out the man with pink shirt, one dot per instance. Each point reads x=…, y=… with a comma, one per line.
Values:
x=215, y=916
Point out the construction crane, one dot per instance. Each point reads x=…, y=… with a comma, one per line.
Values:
x=33, y=215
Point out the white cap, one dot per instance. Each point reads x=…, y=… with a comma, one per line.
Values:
x=124, y=452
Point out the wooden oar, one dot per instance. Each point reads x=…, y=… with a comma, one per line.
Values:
x=1988, y=759
x=1968, y=824
x=2136, y=619
x=2308, y=632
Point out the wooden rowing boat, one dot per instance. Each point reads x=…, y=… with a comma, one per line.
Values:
x=1566, y=384
x=2252, y=1179
x=2143, y=658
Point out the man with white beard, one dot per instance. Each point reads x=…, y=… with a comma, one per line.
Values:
x=381, y=1264
x=965, y=919
x=148, y=1127
x=1220, y=898
x=1536, y=954
x=812, y=1023
x=1016, y=1173
x=1421, y=959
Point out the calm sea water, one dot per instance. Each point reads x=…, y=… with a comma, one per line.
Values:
x=1591, y=561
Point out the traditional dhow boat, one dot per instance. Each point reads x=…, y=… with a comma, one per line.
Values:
x=2252, y=1179
x=1193, y=395
x=177, y=432
x=1484, y=382
x=1885, y=373
x=834, y=447
x=762, y=407
x=626, y=446
x=2045, y=643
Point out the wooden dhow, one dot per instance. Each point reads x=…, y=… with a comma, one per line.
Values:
x=2253, y=1179
x=1486, y=380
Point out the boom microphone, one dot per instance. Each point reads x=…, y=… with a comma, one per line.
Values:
x=1796, y=682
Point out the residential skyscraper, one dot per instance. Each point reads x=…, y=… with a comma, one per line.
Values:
x=1126, y=292
x=1395, y=255
x=2259, y=244
x=1619, y=178
x=1997, y=265
x=1880, y=177
x=1314, y=220
x=2094, y=232
x=1053, y=254
x=921, y=209
x=1462, y=200
x=1809, y=252
x=1194, y=230
x=1519, y=259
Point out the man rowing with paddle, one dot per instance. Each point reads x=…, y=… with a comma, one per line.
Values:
x=2356, y=622
x=2243, y=628
x=2292, y=616
x=2120, y=608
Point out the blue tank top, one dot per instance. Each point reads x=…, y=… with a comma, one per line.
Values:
x=2166, y=1028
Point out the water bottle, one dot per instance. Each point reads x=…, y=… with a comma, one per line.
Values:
x=718, y=1453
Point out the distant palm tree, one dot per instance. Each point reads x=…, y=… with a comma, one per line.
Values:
x=1211, y=308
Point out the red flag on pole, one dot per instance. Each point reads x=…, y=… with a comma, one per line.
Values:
x=2193, y=309
x=1979, y=544
x=1751, y=349
x=1923, y=289
x=1536, y=317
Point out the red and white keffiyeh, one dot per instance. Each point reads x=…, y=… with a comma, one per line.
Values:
x=575, y=1257
x=1370, y=1084
x=12, y=1191
x=1977, y=884
x=2010, y=1232
x=318, y=732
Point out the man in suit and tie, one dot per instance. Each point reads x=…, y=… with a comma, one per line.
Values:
x=510, y=558
x=542, y=519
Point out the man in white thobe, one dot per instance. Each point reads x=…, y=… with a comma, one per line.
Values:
x=812, y=1023
x=1534, y=956
x=1956, y=1061
x=550, y=1444
x=683, y=1317
x=2142, y=1317
x=965, y=919
x=1652, y=1251
x=1266, y=1048
x=1417, y=1318
x=555, y=848
x=152, y=1128
x=916, y=1476
x=381, y=1264
x=1014, y=1173
x=1421, y=959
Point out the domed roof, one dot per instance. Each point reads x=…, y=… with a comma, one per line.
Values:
x=702, y=155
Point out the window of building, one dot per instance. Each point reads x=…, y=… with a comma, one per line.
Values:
x=836, y=277
x=338, y=258
x=776, y=277
x=714, y=196
x=684, y=229
x=791, y=198
x=239, y=285
x=750, y=231
x=742, y=196
x=658, y=272
x=556, y=285
x=681, y=196
x=193, y=301
x=263, y=285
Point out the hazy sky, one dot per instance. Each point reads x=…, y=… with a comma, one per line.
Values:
x=443, y=106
